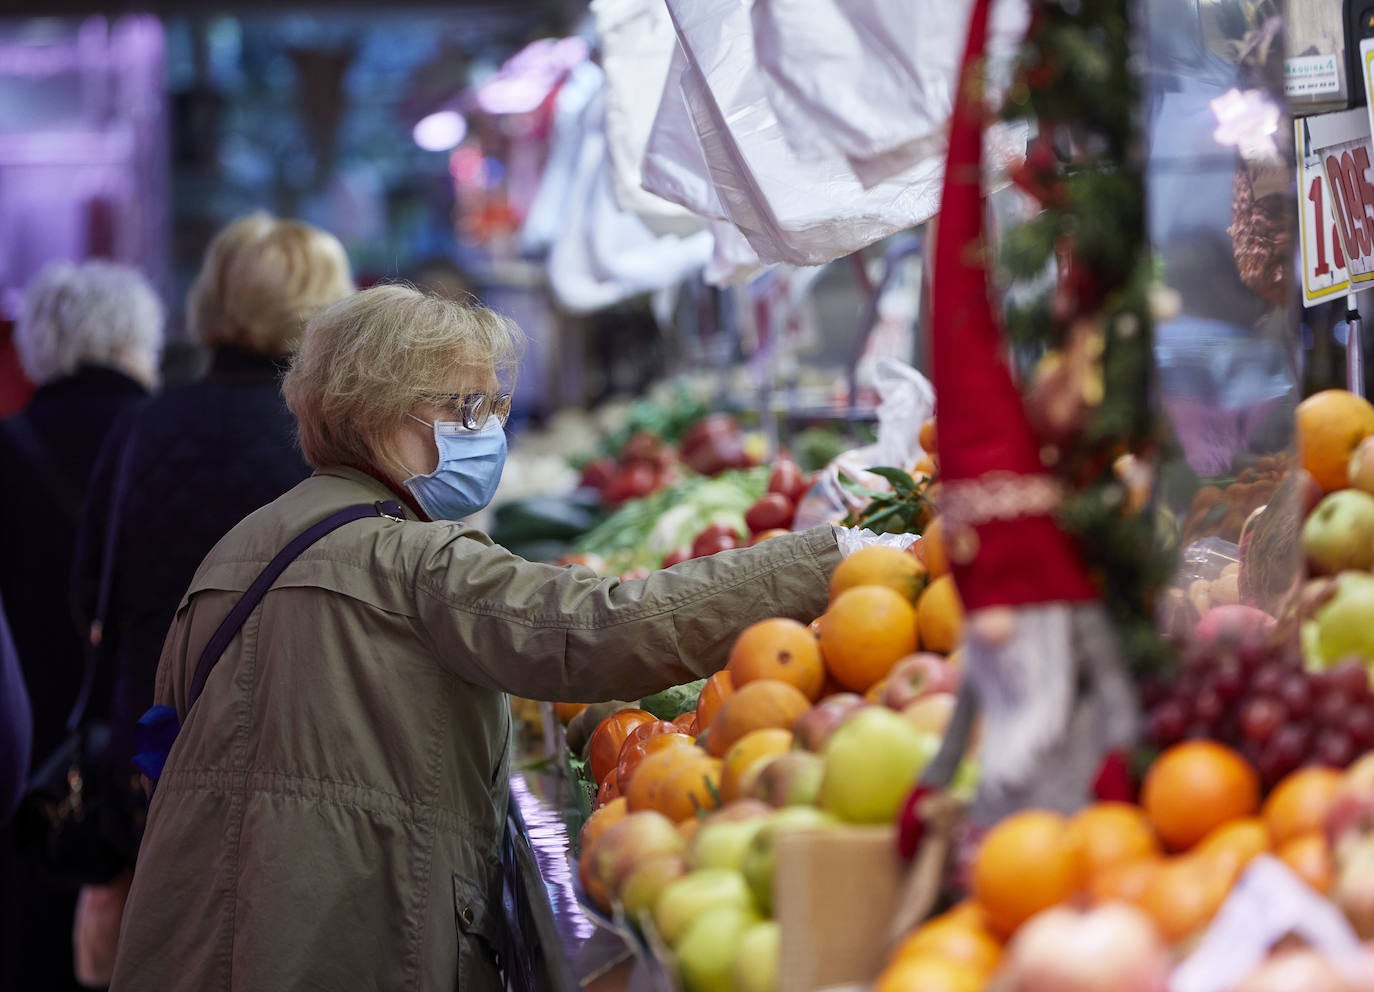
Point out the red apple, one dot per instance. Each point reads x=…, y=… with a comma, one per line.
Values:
x=814, y=727
x=791, y=779
x=919, y=675
x=632, y=841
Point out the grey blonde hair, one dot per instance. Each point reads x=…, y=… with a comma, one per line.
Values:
x=262, y=279
x=368, y=360
x=96, y=313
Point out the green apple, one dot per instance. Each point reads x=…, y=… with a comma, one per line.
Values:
x=641, y=889
x=1339, y=533
x=761, y=860
x=707, y=952
x=683, y=900
x=1342, y=626
x=723, y=843
x=871, y=764
x=791, y=779
x=758, y=958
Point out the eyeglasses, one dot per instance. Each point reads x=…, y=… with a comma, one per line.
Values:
x=472, y=409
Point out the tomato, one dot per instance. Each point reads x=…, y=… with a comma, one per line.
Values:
x=675, y=556
x=789, y=479
x=773, y=510
x=710, y=541
x=604, y=747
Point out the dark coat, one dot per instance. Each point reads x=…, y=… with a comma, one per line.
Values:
x=206, y=455
x=71, y=417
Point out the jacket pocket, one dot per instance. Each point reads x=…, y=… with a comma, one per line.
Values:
x=478, y=929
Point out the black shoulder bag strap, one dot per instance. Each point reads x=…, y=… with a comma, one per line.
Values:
x=229, y=626
x=123, y=475
x=158, y=728
x=40, y=459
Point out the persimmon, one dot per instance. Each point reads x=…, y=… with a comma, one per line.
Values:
x=603, y=750
x=644, y=740
x=718, y=688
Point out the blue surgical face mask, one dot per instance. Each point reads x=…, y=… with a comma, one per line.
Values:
x=470, y=464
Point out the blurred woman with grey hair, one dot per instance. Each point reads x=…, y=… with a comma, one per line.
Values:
x=89, y=337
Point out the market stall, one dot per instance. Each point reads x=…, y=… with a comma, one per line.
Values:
x=1090, y=706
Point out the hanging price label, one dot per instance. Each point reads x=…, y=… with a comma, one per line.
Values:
x=1324, y=275
x=1345, y=167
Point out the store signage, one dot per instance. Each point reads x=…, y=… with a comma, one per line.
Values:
x=1311, y=75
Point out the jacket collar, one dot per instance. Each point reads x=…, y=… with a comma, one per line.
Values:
x=238, y=365
x=377, y=483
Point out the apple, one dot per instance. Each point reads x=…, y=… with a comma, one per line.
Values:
x=919, y=675
x=1353, y=890
x=1361, y=469
x=707, y=952
x=1351, y=814
x=791, y=779
x=650, y=877
x=1113, y=948
x=1341, y=627
x=761, y=859
x=631, y=842
x=1339, y=533
x=738, y=809
x=723, y=844
x=1235, y=623
x=686, y=898
x=760, y=954
x=814, y=727
x=930, y=714
x=871, y=763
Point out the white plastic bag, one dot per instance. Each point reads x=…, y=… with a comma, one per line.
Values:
x=637, y=43
x=906, y=400
x=674, y=165
x=800, y=211
x=603, y=254
x=886, y=94
x=549, y=209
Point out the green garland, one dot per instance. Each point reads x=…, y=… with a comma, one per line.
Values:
x=1075, y=83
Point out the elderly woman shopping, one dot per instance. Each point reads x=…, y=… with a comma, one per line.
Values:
x=330, y=814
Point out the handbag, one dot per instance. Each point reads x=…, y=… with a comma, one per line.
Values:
x=81, y=816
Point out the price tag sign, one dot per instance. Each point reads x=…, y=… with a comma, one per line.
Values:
x=1324, y=276
x=1341, y=144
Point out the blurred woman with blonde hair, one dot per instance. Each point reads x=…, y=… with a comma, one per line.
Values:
x=205, y=455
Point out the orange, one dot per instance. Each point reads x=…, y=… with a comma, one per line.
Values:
x=1310, y=858
x=761, y=704
x=1329, y=426
x=953, y=941
x=566, y=711
x=1026, y=863
x=780, y=649
x=926, y=437
x=932, y=551
x=1234, y=845
x=1300, y=802
x=877, y=565
x=1183, y=896
x=1195, y=787
x=866, y=631
x=927, y=973
x=601, y=821
x=603, y=750
x=925, y=465
x=747, y=757
x=940, y=616
x=1125, y=881
x=1111, y=834
x=718, y=688
x=967, y=912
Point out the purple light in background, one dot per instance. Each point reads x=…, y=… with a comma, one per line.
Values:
x=440, y=131
x=530, y=75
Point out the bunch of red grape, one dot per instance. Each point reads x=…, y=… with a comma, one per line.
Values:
x=1258, y=698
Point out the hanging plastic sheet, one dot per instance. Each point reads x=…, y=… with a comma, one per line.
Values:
x=804, y=211
x=548, y=210
x=637, y=44
x=603, y=254
x=885, y=95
